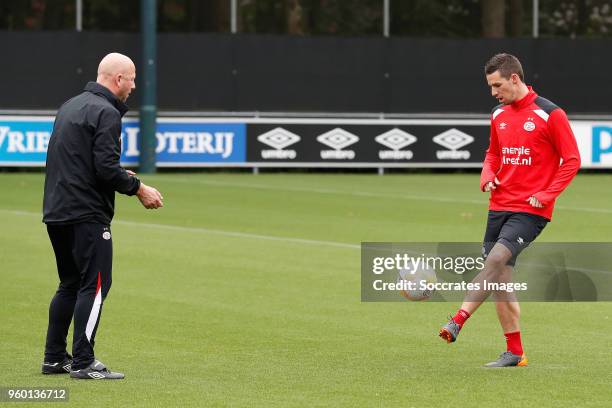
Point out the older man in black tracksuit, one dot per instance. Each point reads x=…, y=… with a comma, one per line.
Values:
x=82, y=174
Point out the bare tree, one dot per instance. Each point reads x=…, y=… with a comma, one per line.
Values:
x=295, y=17
x=212, y=15
x=493, y=18
x=516, y=18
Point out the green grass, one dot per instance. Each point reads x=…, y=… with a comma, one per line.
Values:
x=199, y=316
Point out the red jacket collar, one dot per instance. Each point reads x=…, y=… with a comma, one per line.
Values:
x=526, y=100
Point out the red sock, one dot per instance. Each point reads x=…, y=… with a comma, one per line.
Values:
x=461, y=317
x=513, y=342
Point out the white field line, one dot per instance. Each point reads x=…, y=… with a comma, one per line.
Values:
x=246, y=235
x=440, y=199
x=321, y=191
x=226, y=233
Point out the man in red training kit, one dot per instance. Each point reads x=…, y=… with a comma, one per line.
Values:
x=532, y=157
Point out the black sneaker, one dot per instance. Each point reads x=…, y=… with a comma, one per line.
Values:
x=96, y=371
x=61, y=367
x=450, y=331
x=508, y=359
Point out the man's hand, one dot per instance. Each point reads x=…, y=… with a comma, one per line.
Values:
x=149, y=197
x=130, y=172
x=491, y=185
x=534, y=202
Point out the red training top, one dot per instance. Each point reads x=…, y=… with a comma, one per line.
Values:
x=532, y=152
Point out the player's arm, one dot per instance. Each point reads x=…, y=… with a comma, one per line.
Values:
x=564, y=142
x=107, y=153
x=490, y=167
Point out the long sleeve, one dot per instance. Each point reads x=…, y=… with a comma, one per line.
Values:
x=107, y=153
x=492, y=160
x=564, y=142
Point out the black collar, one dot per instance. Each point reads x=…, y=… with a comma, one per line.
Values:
x=101, y=90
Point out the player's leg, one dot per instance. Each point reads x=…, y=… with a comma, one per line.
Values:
x=495, y=222
x=495, y=266
x=61, y=308
x=507, y=305
x=509, y=313
x=94, y=255
x=518, y=232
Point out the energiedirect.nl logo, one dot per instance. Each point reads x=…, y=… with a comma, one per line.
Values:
x=279, y=139
x=338, y=139
x=395, y=139
x=453, y=139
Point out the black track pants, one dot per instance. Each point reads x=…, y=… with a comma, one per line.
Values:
x=84, y=255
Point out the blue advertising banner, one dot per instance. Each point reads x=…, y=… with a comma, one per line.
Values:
x=180, y=143
x=300, y=142
x=23, y=142
x=595, y=143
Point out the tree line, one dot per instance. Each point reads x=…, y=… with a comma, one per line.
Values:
x=419, y=18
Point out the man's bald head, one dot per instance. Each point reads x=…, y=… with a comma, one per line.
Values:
x=115, y=63
x=117, y=72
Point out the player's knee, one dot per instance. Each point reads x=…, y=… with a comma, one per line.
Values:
x=496, y=261
x=70, y=286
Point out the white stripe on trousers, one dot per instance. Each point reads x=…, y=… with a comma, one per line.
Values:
x=95, y=311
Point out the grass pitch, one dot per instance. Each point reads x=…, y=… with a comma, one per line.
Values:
x=245, y=291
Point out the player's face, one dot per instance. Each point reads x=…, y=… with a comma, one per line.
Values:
x=126, y=84
x=503, y=89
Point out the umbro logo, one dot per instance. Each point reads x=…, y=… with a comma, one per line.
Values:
x=395, y=139
x=95, y=375
x=502, y=126
x=337, y=138
x=278, y=138
x=453, y=139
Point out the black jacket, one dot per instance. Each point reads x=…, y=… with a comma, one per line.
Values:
x=83, y=170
